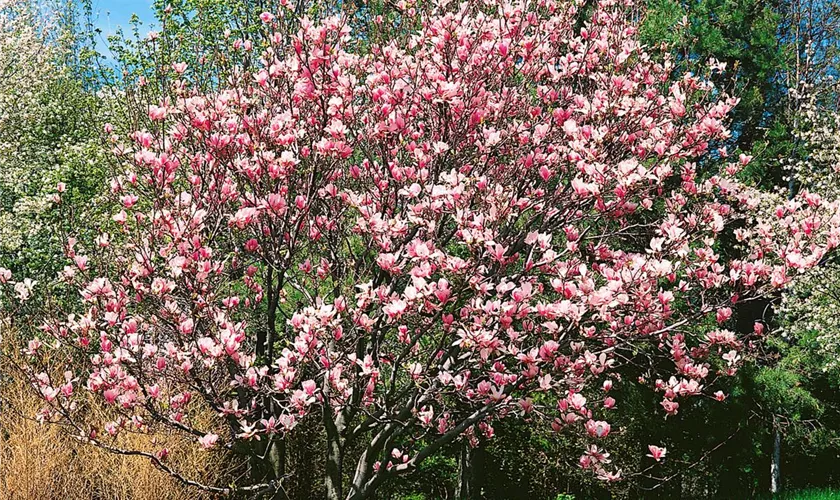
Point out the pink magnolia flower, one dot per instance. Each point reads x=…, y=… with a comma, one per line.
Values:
x=597, y=429
x=157, y=113
x=208, y=441
x=656, y=452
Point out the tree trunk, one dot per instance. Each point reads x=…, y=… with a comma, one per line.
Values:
x=333, y=479
x=276, y=457
x=334, y=454
x=776, y=462
x=464, y=490
x=267, y=462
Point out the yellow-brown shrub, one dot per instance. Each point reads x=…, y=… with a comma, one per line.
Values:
x=40, y=462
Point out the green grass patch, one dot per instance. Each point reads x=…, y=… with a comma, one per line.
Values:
x=816, y=494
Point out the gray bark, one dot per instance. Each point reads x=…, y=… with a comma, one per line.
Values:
x=464, y=490
x=776, y=462
x=334, y=456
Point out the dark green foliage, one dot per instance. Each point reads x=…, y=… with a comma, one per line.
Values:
x=742, y=34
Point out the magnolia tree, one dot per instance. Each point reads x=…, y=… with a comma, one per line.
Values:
x=399, y=240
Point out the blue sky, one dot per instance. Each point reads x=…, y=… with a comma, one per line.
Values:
x=111, y=14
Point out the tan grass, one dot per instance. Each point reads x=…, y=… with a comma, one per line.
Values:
x=41, y=462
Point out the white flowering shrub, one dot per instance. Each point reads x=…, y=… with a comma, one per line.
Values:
x=810, y=307
x=47, y=134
